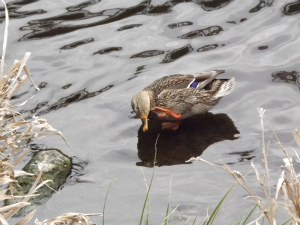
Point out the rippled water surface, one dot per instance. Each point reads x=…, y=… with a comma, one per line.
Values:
x=90, y=57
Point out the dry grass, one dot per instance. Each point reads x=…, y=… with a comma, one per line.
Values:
x=288, y=186
x=69, y=218
x=15, y=134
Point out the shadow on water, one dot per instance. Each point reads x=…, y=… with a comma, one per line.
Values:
x=178, y=53
x=244, y=156
x=191, y=139
x=261, y=4
x=180, y=24
x=108, y=50
x=146, y=54
x=292, y=77
x=15, y=12
x=56, y=25
x=127, y=27
x=291, y=8
x=288, y=9
x=77, y=43
x=65, y=101
x=209, y=31
x=52, y=26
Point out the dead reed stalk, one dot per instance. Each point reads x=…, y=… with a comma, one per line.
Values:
x=15, y=134
x=288, y=185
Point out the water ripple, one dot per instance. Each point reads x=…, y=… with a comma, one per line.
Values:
x=130, y=26
x=180, y=24
x=291, y=8
x=292, y=77
x=108, y=50
x=66, y=101
x=260, y=5
x=77, y=43
x=177, y=53
x=52, y=26
x=55, y=27
x=14, y=10
x=209, y=31
x=146, y=54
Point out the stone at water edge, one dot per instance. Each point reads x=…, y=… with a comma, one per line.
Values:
x=56, y=167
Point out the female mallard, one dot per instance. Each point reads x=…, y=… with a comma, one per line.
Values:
x=176, y=97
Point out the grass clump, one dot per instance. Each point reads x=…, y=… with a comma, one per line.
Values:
x=287, y=194
x=15, y=134
x=69, y=218
x=210, y=219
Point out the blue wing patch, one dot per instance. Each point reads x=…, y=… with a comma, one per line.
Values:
x=194, y=84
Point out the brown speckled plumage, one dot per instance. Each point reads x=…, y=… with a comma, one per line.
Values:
x=175, y=93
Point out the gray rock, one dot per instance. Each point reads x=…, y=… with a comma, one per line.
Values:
x=56, y=167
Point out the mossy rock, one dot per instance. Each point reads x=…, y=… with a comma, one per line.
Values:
x=56, y=167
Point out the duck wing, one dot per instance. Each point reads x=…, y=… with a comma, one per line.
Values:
x=182, y=81
x=173, y=98
x=183, y=100
x=170, y=97
x=205, y=78
x=177, y=81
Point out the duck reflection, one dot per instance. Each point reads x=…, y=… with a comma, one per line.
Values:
x=190, y=140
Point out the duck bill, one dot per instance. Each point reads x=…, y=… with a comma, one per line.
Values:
x=145, y=122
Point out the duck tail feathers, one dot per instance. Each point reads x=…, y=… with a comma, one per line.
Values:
x=205, y=78
x=225, y=89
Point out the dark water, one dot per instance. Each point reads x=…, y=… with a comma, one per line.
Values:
x=90, y=57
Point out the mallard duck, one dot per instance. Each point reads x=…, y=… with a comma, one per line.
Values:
x=176, y=97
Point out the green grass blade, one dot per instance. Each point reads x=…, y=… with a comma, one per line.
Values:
x=148, y=191
x=287, y=222
x=147, y=195
x=249, y=215
x=167, y=217
x=147, y=217
x=148, y=212
x=194, y=220
x=166, y=220
x=105, y=202
x=171, y=213
x=214, y=214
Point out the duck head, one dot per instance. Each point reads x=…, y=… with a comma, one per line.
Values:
x=140, y=103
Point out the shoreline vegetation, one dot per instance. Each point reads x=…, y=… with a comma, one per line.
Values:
x=16, y=132
x=287, y=195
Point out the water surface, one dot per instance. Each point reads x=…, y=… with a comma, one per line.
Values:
x=90, y=57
